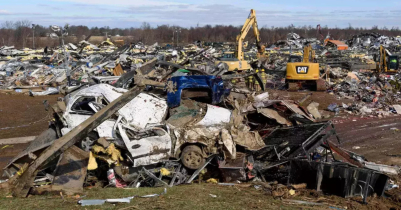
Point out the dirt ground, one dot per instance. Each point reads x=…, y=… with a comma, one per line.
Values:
x=22, y=115
x=378, y=139
x=7, y=152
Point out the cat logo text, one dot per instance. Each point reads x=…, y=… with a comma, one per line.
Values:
x=302, y=69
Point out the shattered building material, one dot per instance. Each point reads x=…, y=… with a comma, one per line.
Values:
x=116, y=200
x=338, y=178
x=70, y=172
x=339, y=45
x=144, y=116
x=293, y=142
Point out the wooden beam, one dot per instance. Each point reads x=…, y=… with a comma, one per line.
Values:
x=17, y=140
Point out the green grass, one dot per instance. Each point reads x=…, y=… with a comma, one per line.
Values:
x=193, y=196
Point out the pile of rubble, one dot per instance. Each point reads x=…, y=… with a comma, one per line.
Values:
x=137, y=116
x=37, y=70
x=163, y=124
x=372, y=41
x=371, y=94
x=295, y=41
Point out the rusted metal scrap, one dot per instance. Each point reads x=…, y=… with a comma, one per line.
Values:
x=71, y=171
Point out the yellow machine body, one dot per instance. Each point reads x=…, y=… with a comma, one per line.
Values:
x=238, y=61
x=233, y=63
x=303, y=71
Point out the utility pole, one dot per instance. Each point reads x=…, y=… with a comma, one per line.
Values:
x=63, y=32
x=106, y=34
x=26, y=40
x=67, y=71
x=172, y=39
x=292, y=31
x=177, y=31
x=66, y=55
x=33, y=36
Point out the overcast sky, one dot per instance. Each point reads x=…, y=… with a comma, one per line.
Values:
x=131, y=13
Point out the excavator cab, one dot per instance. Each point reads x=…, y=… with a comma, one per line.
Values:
x=386, y=62
x=393, y=63
x=233, y=63
x=228, y=56
x=294, y=59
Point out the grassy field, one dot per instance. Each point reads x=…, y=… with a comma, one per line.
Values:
x=193, y=196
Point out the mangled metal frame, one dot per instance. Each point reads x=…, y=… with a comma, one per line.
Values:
x=21, y=183
x=342, y=179
x=292, y=143
x=345, y=179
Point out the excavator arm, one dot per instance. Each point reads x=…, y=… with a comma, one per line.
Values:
x=249, y=22
x=382, y=64
x=309, y=54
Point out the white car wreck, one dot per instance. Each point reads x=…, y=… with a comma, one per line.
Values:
x=139, y=119
x=136, y=127
x=139, y=128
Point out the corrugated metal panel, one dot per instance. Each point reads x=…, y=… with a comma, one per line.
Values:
x=338, y=43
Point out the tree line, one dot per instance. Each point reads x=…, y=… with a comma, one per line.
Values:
x=20, y=33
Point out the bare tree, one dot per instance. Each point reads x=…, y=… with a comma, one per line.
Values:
x=15, y=33
x=22, y=30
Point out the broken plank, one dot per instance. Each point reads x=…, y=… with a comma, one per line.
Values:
x=17, y=140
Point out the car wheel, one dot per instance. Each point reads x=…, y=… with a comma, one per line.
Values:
x=192, y=158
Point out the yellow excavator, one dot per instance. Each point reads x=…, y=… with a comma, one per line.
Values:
x=303, y=71
x=387, y=63
x=236, y=61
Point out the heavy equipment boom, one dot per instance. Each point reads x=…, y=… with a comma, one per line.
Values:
x=238, y=62
x=249, y=22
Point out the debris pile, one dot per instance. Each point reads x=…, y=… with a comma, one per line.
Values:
x=372, y=41
x=295, y=41
x=372, y=94
x=163, y=124
x=144, y=115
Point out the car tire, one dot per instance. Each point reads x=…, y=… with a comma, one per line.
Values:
x=192, y=158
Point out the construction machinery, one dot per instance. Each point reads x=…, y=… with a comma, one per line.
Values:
x=304, y=72
x=386, y=62
x=119, y=42
x=238, y=62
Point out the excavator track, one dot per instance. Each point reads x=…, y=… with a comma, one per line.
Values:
x=321, y=85
x=293, y=86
